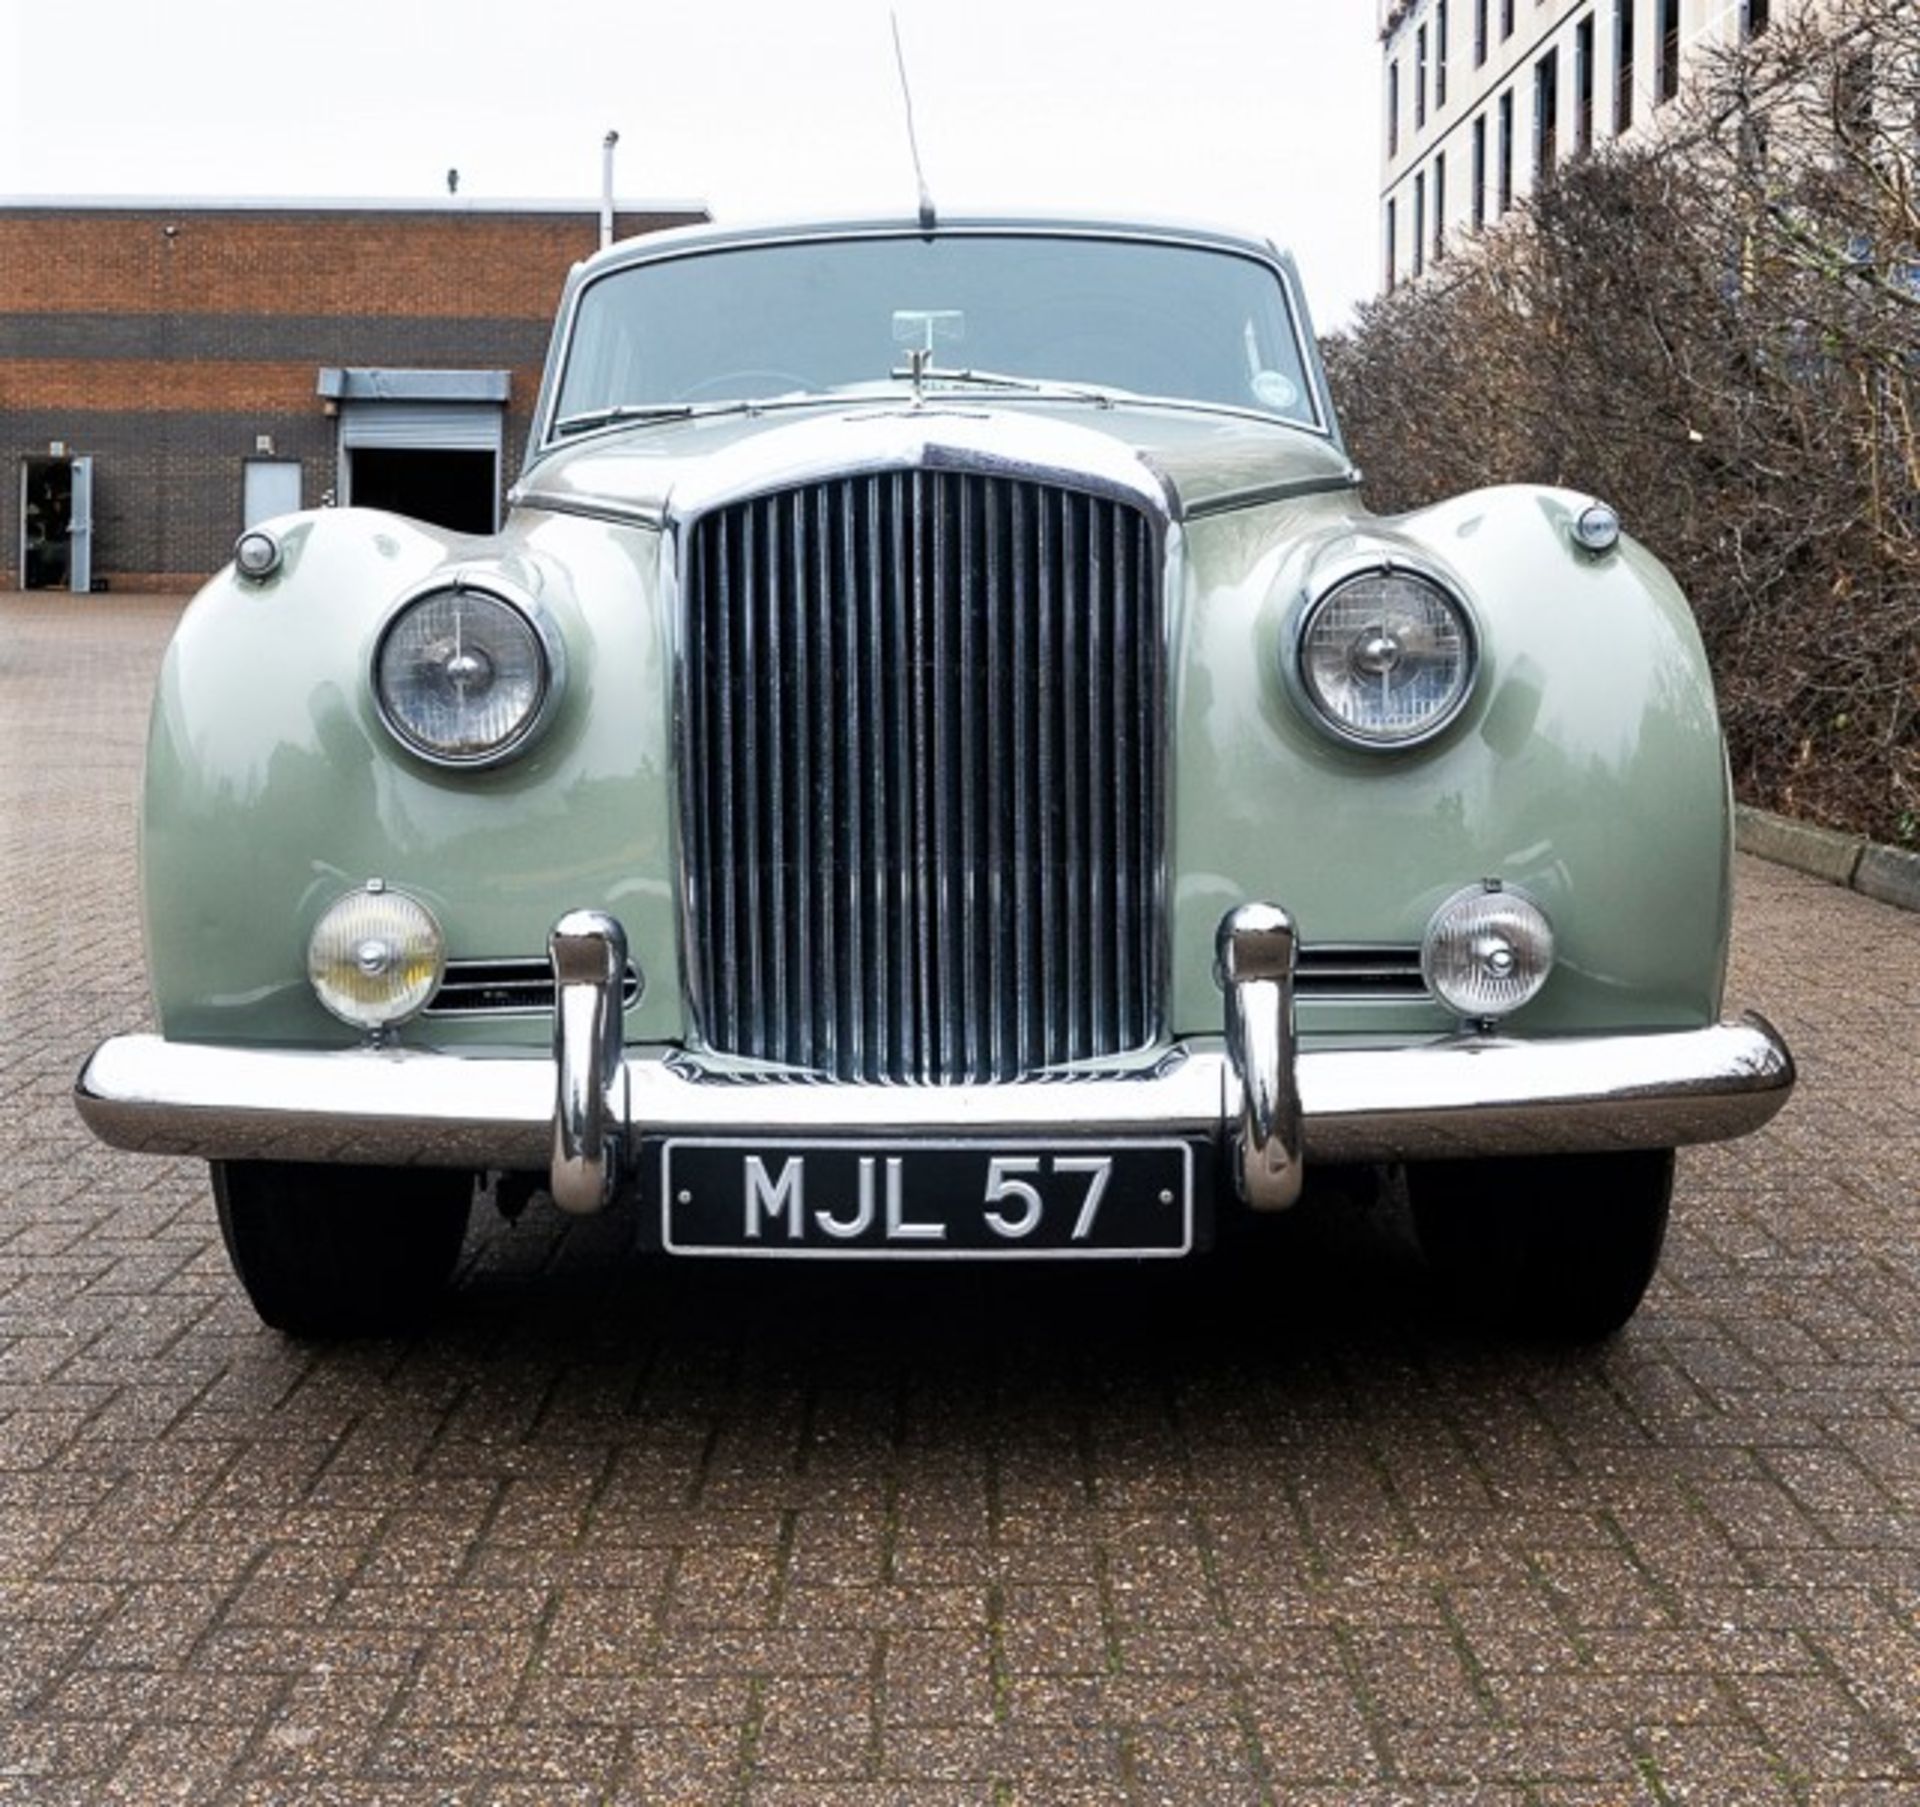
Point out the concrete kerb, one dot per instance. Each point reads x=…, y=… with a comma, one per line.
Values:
x=1889, y=874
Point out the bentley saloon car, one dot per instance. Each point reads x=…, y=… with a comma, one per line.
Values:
x=940, y=763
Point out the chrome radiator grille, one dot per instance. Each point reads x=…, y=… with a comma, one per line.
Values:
x=921, y=776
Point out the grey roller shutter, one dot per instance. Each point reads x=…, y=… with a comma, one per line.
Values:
x=421, y=426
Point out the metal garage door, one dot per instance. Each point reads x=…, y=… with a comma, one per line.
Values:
x=421, y=426
x=429, y=421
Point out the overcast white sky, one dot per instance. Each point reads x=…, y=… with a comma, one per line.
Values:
x=1251, y=113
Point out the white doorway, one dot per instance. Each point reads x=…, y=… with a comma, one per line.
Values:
x=56, y=523
x=272, y=488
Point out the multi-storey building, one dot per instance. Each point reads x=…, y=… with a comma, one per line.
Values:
x=1483, y=97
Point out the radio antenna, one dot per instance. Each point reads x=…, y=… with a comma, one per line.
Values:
x=927, y=220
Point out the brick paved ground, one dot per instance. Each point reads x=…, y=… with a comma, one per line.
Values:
x=625, y=1533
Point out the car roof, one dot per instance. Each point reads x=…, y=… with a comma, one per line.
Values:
x=717, y=236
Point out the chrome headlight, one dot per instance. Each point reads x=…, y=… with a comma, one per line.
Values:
x=1387, y=657
x=464, y=676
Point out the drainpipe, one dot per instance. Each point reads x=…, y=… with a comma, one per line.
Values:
x=606, y=188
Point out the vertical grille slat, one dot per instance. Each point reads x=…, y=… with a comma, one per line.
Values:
x=921, y=748
x=751, y=702
x=1104, y=1026
x=996, y=953
x=774, y=926
x=1046, y=802
x=900, y=659
x=807, y=958
x=1025, y=927
x=816, y=624
x=1073, y=863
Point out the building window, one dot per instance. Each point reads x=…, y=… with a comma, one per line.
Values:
x=1546, y=117
x=1669, y=51
x=1419, y=222
x=1479, y=32
x=1420, y=77
x=1853, y=98
x=1753, y=150
x=1622, y=65
x=1506, y=20
x=1393, y=108
x=1754, y=17
x=1477, y=198
x=1583, y=86
x=1392, y=249
x=1440, y=35
x=1506, y=150
x=1440, y=206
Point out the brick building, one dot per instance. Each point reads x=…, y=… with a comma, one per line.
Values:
x=185, y=366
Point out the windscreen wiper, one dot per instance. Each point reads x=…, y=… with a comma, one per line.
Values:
x=918, y=372
x=605, y=417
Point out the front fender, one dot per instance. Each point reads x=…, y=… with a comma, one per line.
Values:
x=1587, y=769
x=271, y=785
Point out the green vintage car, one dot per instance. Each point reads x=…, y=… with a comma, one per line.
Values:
x=939, y=764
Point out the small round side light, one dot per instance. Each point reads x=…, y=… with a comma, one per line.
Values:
x=1596, y=528
x=256, y=554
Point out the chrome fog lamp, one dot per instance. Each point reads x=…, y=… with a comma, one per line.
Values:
x=256, y=554
x=1488, y=950
x=376, y=957
x=1386, y=658
x=463, y=676
x=1596, y=528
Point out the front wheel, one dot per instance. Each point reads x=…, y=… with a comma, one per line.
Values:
x=1558, y=1246
x=327, y=1251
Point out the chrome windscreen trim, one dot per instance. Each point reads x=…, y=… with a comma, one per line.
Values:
x=711, y=241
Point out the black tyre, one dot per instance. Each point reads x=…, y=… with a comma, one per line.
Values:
x=1560, y=1247
x=341, y=1251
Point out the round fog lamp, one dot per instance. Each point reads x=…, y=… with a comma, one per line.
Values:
x=375, y=957
x=1488, y=951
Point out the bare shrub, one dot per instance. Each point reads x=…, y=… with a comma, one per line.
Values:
x=1721, y=334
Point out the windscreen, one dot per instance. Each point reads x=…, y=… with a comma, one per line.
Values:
x=1168, y=320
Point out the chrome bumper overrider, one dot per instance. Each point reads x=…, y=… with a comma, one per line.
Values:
x=579, y=1115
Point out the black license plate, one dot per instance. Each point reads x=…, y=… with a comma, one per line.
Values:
x=925, y=1200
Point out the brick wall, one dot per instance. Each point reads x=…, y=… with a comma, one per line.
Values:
x=163, y=342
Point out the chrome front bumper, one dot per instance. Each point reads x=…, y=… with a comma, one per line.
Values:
x=580, y=1115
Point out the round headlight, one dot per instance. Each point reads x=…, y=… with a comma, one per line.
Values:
x=1387, y=657
x=462, y=676
x=1488, y=951
x=376, y=957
